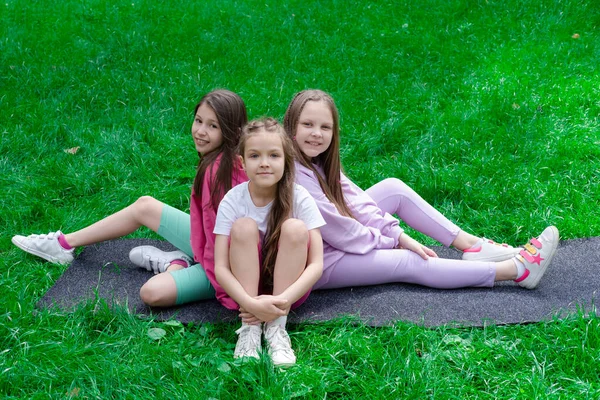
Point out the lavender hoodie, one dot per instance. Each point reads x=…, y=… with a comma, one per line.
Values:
x=372, y=228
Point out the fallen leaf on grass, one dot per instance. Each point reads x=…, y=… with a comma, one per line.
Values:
x=156, y=333
x=575, y=36
x=72, y=150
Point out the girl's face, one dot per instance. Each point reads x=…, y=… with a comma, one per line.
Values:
x=206, y=130
x=315, y=128
x=264, y=159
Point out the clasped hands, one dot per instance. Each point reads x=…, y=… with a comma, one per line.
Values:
x=264, y=308
x=408, y=243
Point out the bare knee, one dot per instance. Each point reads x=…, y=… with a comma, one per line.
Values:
x=149, y=294
x=147, y=211
x=244, y=229
x=294, y=231
x=156, y=293
x=145, y=204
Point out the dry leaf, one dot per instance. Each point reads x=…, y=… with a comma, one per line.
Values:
x=72, y=150
x=575, y=36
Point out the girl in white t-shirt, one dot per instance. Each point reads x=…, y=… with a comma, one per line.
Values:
x=268, y=247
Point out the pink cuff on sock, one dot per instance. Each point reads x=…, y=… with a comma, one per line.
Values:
x=63, y=242
x=180, y=262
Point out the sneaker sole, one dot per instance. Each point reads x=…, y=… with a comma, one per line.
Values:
x=246, y=357
x=284, y=365
x=45, y=256
x=533, y=283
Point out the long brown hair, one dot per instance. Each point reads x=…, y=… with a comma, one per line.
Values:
x=281, y=209
x=329, y=160
x=231, y=115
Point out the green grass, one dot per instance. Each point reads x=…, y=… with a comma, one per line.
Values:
x=488, y=109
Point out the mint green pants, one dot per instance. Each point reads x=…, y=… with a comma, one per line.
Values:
x=192, y=283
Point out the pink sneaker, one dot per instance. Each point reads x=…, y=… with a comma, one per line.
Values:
x=491, y=251
x=536, y=256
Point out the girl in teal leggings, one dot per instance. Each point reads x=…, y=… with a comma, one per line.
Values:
x=180, y=278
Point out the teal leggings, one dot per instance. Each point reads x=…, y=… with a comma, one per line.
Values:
x=192, y=283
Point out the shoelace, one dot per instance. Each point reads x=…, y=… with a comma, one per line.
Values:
x=278, y=339
x=247, y=340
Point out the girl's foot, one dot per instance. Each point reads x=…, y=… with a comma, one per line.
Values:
x=280, y=347
x=45, y=246
x=156, y=260
x=488, y=250
x=536, y=256
x=248, y=344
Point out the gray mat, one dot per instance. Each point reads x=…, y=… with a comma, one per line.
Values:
x=572, y=283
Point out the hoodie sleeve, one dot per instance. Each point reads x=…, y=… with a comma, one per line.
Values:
x=367, y=212
x=344, y=233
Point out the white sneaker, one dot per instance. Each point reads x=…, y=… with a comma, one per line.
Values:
x=536, y=256
x=280, y=347
x=491, y=251
x=248, y=344
x=156, y=260
x=44, y=246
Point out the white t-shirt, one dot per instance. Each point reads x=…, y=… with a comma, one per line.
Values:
x=237, y=203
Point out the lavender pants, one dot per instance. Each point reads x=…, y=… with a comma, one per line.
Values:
x=393, y=265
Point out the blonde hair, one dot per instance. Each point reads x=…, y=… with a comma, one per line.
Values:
x=283, y=203
x=329, y=160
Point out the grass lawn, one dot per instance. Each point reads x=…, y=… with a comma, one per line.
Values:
x=488, y=109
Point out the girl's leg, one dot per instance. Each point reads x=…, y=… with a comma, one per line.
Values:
x=180, y=285
x=290, y=263
x=58, y=248
x=388, y=266
x=146, y=211
x=395, y=197
x=291, y=257
x=244, y=262
x=177, y=287
x=243, y=254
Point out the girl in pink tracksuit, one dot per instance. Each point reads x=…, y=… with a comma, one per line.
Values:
x=363, y=242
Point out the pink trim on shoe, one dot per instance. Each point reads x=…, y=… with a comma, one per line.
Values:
x=532, y=259
x=181, y=262
x=523, y=277
x=472, y=250
x=536, y=243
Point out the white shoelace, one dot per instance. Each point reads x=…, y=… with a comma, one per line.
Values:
x=279, y=339
x=249, y=340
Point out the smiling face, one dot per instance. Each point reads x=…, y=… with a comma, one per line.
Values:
x=264, y=159
x=314, y=130
x=206, y=130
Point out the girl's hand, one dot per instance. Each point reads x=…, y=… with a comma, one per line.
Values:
x=408, y=243
x=266, y=308
x=248, y=318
